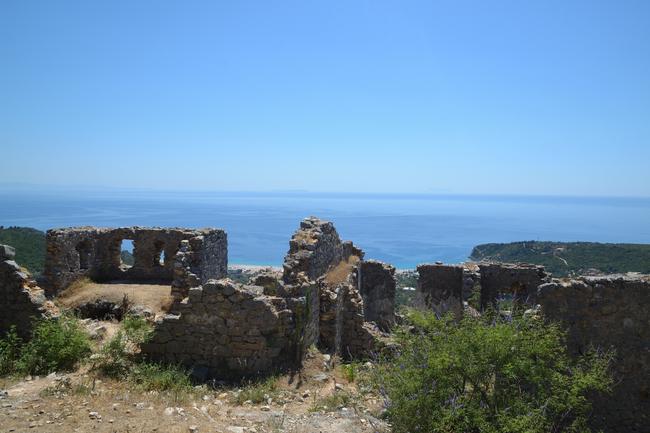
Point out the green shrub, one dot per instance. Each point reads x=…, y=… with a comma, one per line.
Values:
x=486, y=373
x=118, y=355
x=55, y=345
x=258, y=391
x=171, y=379
x=349, y=371
x=9, y=351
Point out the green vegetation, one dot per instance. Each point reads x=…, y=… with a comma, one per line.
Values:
x=55, y=345
x=404, y=298
x=490, y=373
x=258, y=391
x=567, y=259
x=127, y=258
x=240, y=278
x=30, y=247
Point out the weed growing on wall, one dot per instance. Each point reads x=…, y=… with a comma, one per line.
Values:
x=487, y=373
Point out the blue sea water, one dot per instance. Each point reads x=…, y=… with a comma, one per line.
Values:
x=401, y=229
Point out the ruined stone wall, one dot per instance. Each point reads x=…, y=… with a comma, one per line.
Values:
x=440, y=288
x=610, y=312
x=521, y=278
x=20, y=298
x=314, y=250
x=225, y=326
x=77, y=252
x=377, y=289
x=359, y=338
x=199, y=259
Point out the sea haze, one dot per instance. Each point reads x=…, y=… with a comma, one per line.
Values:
x=400, y=229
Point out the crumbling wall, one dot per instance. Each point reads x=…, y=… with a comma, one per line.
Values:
x=20, y=298
x=77, y=252
x=225, y=326
x=199, y=259
x=521, y=279
x=314, y=250
x=440, y=288
x=359, y=338
x=377, y=289
x=609, y=312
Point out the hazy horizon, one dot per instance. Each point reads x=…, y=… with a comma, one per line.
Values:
x=468, y=97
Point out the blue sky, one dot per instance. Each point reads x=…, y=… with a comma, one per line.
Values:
x=487, y=97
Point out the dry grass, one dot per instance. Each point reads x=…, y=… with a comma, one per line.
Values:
x=341, y=272
x=150, y=295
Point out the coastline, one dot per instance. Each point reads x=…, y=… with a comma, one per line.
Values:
x=253, y=269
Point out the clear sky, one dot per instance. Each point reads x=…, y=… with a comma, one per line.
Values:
x=516, y=97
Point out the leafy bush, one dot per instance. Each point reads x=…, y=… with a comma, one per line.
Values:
x=118, y=355
x=9, y=351
x=55, y=345
x=486, y=373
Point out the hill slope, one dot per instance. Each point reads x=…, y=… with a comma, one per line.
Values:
x=565, y=259
x=29, y=244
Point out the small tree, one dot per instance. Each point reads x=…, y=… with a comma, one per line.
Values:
x=487, y=373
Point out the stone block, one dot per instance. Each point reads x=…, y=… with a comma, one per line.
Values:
x=7, y=252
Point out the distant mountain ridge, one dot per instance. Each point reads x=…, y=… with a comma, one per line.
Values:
x=568, y=259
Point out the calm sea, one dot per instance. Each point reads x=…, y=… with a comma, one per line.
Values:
x=400, y=229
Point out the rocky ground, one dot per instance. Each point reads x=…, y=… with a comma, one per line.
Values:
x=315, y=398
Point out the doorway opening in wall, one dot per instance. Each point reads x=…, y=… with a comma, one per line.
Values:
x=85, y=250
x=159, y=253
x=127, y=259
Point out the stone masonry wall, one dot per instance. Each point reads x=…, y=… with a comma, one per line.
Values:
x=521, y=278
x=314, y=249
x=440, y=288
x=77, y=252
x=20, y=298
x=222, y=325
x=377, y=289
x=611, y=312
x=199, y=259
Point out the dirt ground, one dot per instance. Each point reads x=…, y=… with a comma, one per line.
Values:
x=77, y=402
x=153, y=295
x=87, y=405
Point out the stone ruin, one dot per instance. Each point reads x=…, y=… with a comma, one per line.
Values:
x=77, y=252
x=223, y=326
x=329, y=295
x=20, y=297
x=442, y=288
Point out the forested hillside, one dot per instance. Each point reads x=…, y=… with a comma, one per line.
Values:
x=565, y=259
x=29, y=244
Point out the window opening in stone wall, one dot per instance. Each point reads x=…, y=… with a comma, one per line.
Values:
x=85, y=251
x=126, y=253
x=159, y=253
